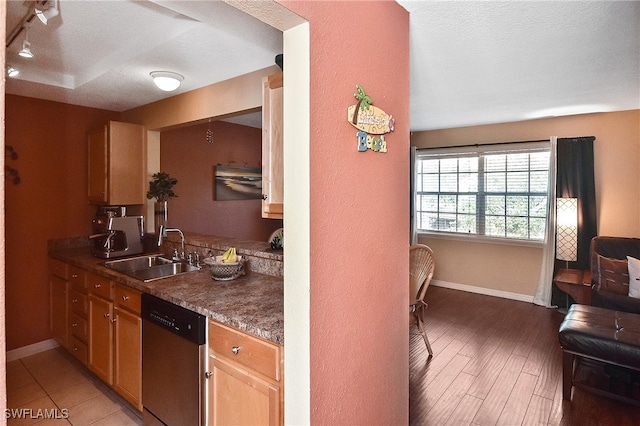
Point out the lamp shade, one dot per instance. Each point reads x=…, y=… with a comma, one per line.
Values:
x=166, y=80
x=567, y=229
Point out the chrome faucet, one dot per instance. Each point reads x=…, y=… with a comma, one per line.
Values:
x=109, y=238
x=163, y=234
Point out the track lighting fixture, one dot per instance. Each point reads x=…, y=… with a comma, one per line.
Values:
x=46, y=10
x=12, y=72
x=25, y=52
x=166, y=80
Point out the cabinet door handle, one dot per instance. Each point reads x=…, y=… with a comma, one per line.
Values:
x=75, y=324
x=74, y=300
x=208, y=374
x=113, y=320
x=96, y=285
x=74, y=276
x=125, y=298
x=235, y=350
x=106, y=315
x=264, y=196
x=75, y=349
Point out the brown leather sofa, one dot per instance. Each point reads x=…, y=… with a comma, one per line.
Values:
x=609, y=273
x=601, y=343
x=593, y=336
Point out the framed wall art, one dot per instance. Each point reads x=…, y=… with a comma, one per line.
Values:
x=237, y=183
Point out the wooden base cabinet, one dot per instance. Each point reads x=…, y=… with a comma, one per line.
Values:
x=59, y=301
x=115, y=338
x=99, y=322
x=238, y=397
x=245, y=379
x=68, y=308
x=78, y=306
x=100, y=327
x=79, y=329
x=59, y=289
x=127, y=371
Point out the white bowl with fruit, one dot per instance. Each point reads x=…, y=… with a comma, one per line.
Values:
x=227, y=266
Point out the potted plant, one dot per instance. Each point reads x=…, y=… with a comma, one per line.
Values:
x=160, y=188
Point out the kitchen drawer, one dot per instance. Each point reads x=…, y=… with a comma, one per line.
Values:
x=100, y=286
x=59, y=269
x=77, y=278
x=79, y=327
x=127, y=298
x=79, y=302
x=79, y=350
x=256, y=354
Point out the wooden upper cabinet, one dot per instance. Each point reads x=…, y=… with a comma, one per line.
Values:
x=272, y=148
x=117, y=164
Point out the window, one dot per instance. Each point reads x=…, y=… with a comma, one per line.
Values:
x=498, y=191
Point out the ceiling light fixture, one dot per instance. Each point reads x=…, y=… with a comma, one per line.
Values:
x=25, y=52
x=166, y=80
x=12, y=72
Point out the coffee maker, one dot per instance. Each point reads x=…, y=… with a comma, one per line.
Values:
x=115, y=234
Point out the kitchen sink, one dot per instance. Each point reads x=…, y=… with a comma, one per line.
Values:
x=150, y=267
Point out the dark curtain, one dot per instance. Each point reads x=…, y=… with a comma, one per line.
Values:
x=575, y=179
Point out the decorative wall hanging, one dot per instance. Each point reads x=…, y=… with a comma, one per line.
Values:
x=237, y=183
x=209, y=134
x=372, y=122
x=10, y=173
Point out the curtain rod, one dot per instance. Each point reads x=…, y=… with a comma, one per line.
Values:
x=477, y=145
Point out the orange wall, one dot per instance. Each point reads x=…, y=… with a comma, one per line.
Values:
x=50, y=202
x=185, y=155
x=359, y=215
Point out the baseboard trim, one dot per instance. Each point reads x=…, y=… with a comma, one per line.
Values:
x=33, y=349
x=483, y=290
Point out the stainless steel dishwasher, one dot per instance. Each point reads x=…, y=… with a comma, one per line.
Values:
x=174, y=360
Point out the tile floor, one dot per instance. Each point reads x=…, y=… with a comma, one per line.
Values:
x=53, y=384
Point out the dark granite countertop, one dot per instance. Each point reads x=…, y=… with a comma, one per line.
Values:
x=252, y=303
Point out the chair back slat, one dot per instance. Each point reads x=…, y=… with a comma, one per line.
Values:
x=421, y=268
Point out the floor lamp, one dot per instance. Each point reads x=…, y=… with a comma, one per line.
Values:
x=567, y=229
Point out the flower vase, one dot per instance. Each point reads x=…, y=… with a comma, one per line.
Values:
x=160, y=215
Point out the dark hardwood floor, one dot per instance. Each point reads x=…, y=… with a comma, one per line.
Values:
x=497, y=361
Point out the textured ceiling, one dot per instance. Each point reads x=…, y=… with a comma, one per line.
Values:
x=100, y=53
x=489, y=62
x=471, y=62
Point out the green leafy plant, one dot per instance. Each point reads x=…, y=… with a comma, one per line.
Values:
x=160, y=187
x=364, y=102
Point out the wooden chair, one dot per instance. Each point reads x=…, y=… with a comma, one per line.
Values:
x=421, y=267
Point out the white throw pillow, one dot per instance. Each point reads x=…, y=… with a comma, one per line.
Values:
x=634, y=277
